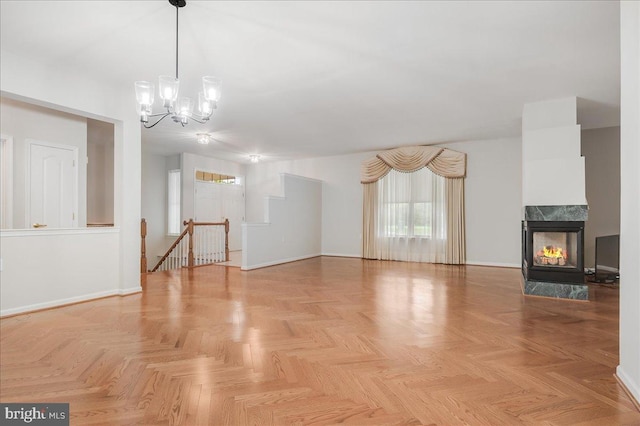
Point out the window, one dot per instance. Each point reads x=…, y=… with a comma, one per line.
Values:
x=173, y=203
x=216, y=178
x=410, y=204
x=422, y=219
x=413, y=205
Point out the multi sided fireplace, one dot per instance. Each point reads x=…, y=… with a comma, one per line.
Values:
x=552, y=251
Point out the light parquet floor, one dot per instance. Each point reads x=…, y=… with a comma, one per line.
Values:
x=323, y=341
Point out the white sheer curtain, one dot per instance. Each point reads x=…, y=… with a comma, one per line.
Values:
x=411, y=220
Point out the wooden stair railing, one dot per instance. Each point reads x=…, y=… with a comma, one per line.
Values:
x=202, y=247
x=172, y=262
x=143, y=246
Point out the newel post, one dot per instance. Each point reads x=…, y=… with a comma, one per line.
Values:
x=190, y=231
x=226, y=240
x=143, y=246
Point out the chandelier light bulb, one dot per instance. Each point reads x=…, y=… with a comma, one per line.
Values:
x=184, y=106
x=211, y=86
x=254, y=158
x=144, y=93
x=168, y=88
x=204, y=105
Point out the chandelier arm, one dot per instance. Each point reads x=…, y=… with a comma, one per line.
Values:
x=169, y=112
x=159, y=120
x=199, y=119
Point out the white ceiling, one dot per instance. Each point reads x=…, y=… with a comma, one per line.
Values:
x=303, y=79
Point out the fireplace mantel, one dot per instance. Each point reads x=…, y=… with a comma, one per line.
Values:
x=572, y=213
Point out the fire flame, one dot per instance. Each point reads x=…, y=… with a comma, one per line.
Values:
x=551, y=251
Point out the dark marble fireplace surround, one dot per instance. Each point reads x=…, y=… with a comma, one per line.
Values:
x=566, y=282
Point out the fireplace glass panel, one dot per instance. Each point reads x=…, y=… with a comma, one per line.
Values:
x=555, y=249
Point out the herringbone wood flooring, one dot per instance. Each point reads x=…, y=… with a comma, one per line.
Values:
x=323, y=341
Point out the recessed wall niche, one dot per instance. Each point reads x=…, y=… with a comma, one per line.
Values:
x=82, y=176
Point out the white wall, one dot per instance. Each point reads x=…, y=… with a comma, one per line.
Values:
x=47, y=284
x=492, y=191
x=99, y=172
x=341, y=196
x=629, y=369
x=294, y=226
x=552, y=169
x=601, y=151
x=24, y=121
x=25, y=78
x=154, y=203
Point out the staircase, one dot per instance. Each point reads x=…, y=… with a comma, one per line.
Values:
x=200, y=243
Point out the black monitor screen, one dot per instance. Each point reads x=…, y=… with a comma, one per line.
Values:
x=607, y=257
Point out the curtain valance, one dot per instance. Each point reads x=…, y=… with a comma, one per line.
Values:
x=441, y=161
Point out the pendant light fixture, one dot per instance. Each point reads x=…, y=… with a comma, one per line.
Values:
x=180, y=109
x=203, y=138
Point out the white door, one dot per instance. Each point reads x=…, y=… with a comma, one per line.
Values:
x=233, y=208
x=52, y=186
x=208, y=202
x=215, y=202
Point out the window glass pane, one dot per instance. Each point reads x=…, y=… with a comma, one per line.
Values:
x=396, y=222
x=173, y=202
x=422, y=219
x=217, y=178
x=411, y=204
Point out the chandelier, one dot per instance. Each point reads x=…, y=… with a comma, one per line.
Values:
x=180, y=109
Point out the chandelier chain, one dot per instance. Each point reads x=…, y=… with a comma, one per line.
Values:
x=177, y=9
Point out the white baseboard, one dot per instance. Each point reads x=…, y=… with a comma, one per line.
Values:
x=473, y=263
x=69, y=301
x=130, y=290
x=278, y=262
x=341, y=255
x=633, y=388
x=495, y=264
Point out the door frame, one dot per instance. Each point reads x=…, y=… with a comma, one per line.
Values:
x=27, y=187
x=6, y=145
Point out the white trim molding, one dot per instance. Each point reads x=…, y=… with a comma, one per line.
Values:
x=6, y=184
x=30, y=232
x=69, y=301
x=632, y=388
x=494, y=264
x=359, y=256
x=278, y=262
